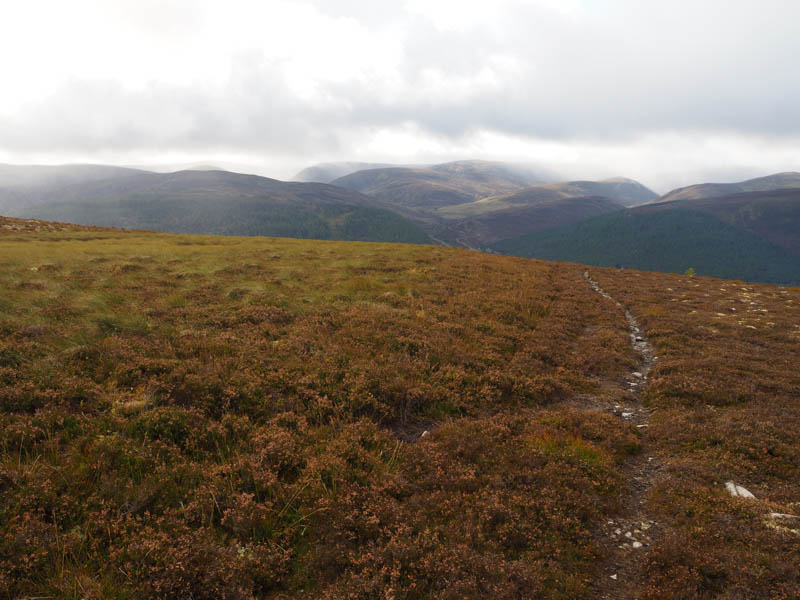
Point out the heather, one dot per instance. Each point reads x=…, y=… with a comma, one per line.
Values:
x=224, y=417
x=237, y=417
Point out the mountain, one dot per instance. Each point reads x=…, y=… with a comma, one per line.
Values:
x=221, y=202
x=429, y=188
x=486, y=221
x=327, y=172
x=714, y=190
x=752, y=236
x=477, y=203
x=620, y=189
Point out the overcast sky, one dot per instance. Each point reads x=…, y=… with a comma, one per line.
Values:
x=667, y=92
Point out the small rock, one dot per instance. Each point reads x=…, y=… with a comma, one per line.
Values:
x=642, y=426
x=737, y=490
x=614, y=576
x=637, y=544
x=783, y=516
x=618, y=531
x=627, y=415
x=637, y=374
x=628, y=534
x=424, y=434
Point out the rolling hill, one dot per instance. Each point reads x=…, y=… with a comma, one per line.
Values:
x=713, y=190
x=221, y=202
x=751, y=236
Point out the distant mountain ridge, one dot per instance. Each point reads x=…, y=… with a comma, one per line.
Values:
x=777, y=181
x=221, y=202
x=327, y=172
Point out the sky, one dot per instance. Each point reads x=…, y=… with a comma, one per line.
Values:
x=669, y=93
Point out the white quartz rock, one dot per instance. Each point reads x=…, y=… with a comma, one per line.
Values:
x=737, y=490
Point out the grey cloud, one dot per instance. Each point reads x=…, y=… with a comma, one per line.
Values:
x=632, y=70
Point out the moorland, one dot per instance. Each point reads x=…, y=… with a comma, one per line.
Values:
x=247, y=417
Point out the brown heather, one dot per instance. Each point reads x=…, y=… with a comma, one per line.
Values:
x=201, y=417
x=727, y=397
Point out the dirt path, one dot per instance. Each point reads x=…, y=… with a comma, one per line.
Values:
x=625, y=539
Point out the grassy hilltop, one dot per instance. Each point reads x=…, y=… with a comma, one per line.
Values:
x=225, y=417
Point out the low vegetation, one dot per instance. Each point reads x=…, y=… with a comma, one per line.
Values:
x=207, y=417
x=725, y=396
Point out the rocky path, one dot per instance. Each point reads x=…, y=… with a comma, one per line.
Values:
x=625, y=539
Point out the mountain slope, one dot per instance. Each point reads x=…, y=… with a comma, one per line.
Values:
x=486, y=221
x=482, y=229
x=425, y=189
x=751, y=236
x=670, y=242
x=714, y=190
x=220, y=202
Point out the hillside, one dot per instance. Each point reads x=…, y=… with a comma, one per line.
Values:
x=220, y=202
x=489, y=220
x=508, y=218
x=745, y=236
x=714, y=190
x=227, y=417
x=428, y=188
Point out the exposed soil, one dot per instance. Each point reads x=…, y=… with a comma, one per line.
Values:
x=625, y=539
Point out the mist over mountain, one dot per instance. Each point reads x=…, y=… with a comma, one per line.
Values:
x=327, y=172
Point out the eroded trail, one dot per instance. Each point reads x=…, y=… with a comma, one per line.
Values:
x=626, y=538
